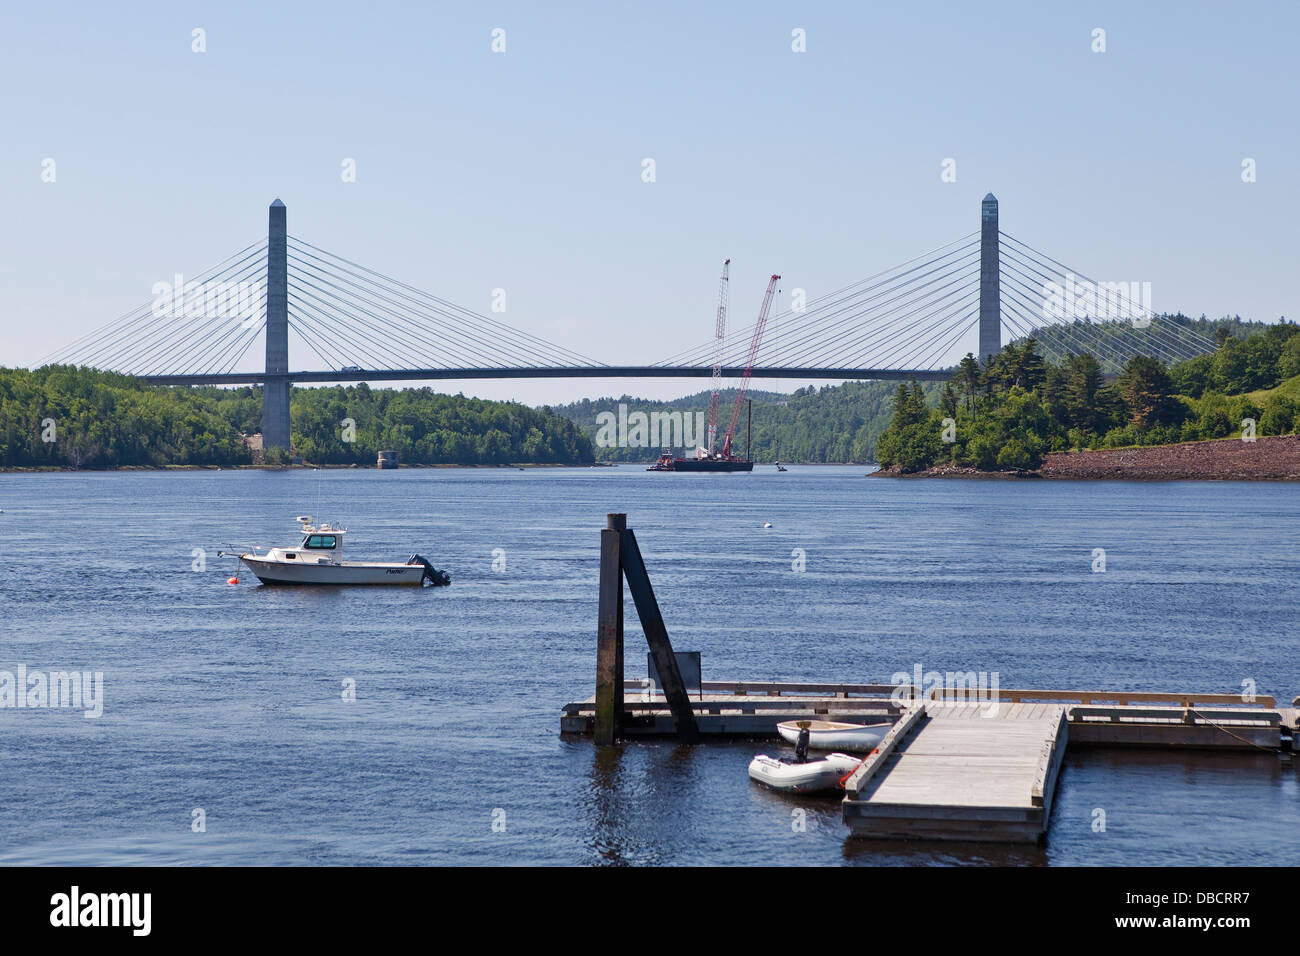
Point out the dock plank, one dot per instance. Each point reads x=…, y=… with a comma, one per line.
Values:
x=962, y=774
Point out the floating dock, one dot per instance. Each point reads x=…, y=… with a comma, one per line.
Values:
x=960, y=762
x=959, y=770
x=752, y=709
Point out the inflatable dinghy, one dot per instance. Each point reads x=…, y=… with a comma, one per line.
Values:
x=812, y=776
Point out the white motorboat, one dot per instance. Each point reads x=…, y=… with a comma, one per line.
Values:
x=811, y=776
x=319, y=560
x=835, y=735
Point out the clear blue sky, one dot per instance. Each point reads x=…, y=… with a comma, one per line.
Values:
x=522, y=170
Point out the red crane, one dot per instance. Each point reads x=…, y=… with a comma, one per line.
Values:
x=749, y=365
x=719, y=333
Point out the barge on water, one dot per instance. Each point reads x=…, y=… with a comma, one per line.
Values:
x=715, y=463
x=712, y=461
x=706, y=459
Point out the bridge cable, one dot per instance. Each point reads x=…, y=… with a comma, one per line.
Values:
x=129, y=353
x=392, y=350
x=1192, y=334
x=806, y=342
x=468, y=314
x=133, y=316
x=171, y=338
x=353, y=300
x=1119, y=330
x=349, y=300
x=917, y=298
x=182, y=337
x=389, y=352
x=800, y=326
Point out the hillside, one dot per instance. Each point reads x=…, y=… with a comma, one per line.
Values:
x=811, y=425
x=1019, y=408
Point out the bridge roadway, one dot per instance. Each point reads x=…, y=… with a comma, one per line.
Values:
x=573, y=371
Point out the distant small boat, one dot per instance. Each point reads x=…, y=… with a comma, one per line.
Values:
x=779, y=466
x=834, y=735
x=812, y=776
x=319, y=560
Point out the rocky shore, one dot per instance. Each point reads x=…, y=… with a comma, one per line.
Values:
x=1273, y=458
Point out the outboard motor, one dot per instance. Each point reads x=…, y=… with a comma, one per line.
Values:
x=801, y=746
x=431, y=574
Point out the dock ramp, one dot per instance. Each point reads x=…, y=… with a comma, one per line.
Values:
x=961, y=771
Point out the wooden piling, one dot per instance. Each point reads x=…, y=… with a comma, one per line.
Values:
x=656, y=634
x=609, y=633
x=620, y=559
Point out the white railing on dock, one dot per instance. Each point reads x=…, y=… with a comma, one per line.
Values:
x=781, y=689
x=907, y=692
x=1173, y=715
x=1121, y=698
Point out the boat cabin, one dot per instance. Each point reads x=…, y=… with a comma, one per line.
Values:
x=321, y=544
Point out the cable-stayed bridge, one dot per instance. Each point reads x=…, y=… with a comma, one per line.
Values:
x=912, y=321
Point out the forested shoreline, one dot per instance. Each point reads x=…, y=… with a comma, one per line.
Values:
x=1009, y=414
x=65, y=417
x=1004, y=417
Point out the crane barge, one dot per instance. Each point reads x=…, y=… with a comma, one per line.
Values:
x=724, y=460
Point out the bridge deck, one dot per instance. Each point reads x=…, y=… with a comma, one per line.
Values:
x=570, y=371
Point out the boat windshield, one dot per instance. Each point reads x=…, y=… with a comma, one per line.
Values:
x=324, y=542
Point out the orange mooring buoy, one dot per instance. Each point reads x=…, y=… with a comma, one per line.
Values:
x=232, y=580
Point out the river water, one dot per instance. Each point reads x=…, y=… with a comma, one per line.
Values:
x=229, y=699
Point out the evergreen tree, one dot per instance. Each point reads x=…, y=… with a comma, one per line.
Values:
x=948, y=400
x=968, y=373
x=1146, y=390
x=1083, y=380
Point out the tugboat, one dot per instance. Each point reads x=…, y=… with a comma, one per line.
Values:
x=319, y=560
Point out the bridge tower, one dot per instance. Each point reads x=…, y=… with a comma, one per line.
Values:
x=275, y=389
x=990, y=290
